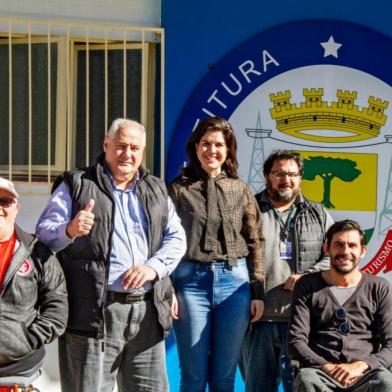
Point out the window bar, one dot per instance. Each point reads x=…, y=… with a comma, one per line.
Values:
x=69, y=118
x=143, y=114
x=125, y=74
x=106, y=82
x=49, y=104
x=9, y=101
x=30, y=109
x=162, y=95
x=87, y=97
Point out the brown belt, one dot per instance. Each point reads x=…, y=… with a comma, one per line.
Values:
x=128, y=298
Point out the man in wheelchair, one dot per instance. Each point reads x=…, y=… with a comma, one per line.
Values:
x=33, y=298
x=338, y=317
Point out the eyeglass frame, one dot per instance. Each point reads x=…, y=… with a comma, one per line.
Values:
x=6, y=203
x=344, y=326
x=282, y=174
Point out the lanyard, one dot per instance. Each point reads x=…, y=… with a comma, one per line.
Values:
x=285, y=227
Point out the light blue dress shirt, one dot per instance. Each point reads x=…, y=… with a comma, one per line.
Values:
x=129, y=240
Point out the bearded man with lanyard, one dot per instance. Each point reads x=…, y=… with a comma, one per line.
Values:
x=294, y=230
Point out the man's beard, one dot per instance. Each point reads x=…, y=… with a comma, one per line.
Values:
x=283, y=194
x=346, y=269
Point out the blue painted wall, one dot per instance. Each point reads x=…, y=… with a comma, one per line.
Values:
x=201, y=32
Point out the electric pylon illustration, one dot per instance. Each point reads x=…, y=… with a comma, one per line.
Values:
x=255, y=177
x=385, y=218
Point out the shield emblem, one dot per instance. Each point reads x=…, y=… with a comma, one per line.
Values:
x=313, y=87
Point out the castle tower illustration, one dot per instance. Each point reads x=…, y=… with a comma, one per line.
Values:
x=344, y=116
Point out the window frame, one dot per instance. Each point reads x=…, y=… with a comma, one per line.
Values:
x=147, y=91
x=66, y=34
x=59, y=165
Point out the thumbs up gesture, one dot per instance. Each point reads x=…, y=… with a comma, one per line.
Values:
x=83, y=221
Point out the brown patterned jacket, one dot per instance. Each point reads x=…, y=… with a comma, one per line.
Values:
x=221, y=219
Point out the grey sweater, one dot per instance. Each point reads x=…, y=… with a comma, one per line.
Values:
x=313, y=337
x=308, y=230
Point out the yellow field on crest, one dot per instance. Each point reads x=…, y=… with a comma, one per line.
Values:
x=350, y=194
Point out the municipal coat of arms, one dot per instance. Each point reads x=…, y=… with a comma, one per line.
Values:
x=322, y=88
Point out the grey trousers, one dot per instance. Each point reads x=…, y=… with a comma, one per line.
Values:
x=132, y=353
x=315, y=380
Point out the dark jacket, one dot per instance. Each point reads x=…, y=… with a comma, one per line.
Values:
x=308, y=228
x=235, y=220
x=313, y=336
x=86, y=260
x=33, y=305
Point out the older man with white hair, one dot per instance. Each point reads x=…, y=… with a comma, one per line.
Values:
x=118, y=239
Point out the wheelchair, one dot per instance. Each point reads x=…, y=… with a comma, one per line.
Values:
x=19, y=383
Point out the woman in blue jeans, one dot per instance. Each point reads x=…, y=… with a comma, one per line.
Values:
x=220, y=282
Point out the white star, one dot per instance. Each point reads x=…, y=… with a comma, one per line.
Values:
x=330, y=47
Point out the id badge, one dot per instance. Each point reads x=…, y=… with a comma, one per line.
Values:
x=286, y=250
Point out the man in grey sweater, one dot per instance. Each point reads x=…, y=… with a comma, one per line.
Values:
x=294, y=231
x=340, y=327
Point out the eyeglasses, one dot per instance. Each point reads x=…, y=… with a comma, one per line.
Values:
x=6, y=203
x=344, y=327
x=282, y=174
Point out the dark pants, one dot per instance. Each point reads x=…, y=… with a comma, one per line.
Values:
x=264, y=361
x=132, y=352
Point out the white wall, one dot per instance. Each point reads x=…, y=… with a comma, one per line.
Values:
x=32, y=200
x=130, y=12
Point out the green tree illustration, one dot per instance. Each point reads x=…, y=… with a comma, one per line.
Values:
x=329, y=168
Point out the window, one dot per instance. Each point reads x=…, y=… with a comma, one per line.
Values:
x=119, y=105
x=64, y=84
x=16, y=145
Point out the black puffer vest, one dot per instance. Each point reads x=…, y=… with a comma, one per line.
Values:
x=86, y=260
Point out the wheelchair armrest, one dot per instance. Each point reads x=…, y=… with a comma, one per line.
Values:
x=23, y=381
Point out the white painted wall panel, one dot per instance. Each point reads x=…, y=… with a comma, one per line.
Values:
x=131, y=12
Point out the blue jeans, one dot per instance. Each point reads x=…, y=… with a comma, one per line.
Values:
x=264, y=360
x=214, y=310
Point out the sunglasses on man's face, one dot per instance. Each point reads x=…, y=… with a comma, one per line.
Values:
x=6, y=203
x=344, y=327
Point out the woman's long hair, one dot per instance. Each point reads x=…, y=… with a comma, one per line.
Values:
x=219, y=124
